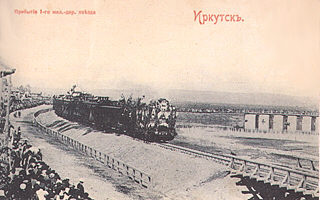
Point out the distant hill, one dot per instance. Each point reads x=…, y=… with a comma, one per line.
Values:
x=241, y=98
x=202, y=96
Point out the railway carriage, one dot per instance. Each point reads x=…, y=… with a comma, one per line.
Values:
x=153, y=122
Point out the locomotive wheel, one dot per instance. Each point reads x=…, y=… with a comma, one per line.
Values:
x=151, y=137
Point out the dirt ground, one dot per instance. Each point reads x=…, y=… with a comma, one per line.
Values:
x=278, y=149
x=175, y=175
x=99, y=181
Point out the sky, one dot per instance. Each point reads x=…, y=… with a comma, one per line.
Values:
x=157, y=44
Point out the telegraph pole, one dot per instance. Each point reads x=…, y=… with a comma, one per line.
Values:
x=7, y=124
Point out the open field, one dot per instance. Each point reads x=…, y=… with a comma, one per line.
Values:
x=267, y=147
x=200, y=119
x=175, y=175
x=199, y=131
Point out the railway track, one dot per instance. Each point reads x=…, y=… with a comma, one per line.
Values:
x=302, y=164
x=299, y=180
x=123, y=168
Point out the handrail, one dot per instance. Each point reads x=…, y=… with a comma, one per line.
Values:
x=133, y=173
x=242, y=111
x=300, y=181
x=249, y=161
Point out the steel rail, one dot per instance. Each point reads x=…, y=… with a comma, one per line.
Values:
x=283, y=177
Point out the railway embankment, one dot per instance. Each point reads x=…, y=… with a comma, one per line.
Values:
x=72, y=165
x=175, y=175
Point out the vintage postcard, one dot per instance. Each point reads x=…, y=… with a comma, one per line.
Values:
x=137, y=99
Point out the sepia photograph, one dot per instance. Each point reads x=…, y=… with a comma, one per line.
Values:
x=159, y=100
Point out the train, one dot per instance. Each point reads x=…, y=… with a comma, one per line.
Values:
x=154, y=121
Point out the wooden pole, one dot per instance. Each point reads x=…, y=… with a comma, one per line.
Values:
x=7, y=124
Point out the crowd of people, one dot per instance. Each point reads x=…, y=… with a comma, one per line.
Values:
x=27, y=176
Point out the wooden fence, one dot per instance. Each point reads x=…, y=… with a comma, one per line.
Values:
x=134, y=174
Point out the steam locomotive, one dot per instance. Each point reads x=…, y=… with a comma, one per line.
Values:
x=151, y=122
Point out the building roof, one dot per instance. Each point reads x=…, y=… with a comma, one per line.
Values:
x=5, y=70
